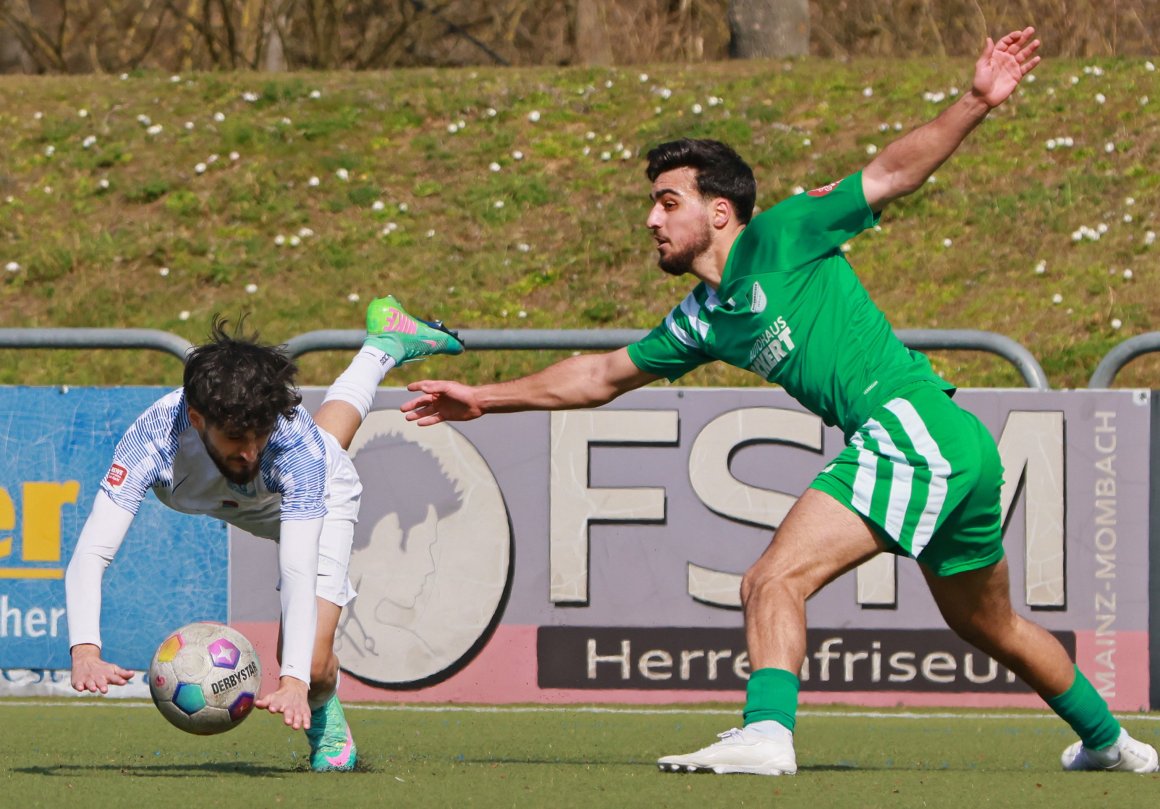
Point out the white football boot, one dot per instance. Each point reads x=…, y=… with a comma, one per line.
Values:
x=1126, y=755
x=740, y=750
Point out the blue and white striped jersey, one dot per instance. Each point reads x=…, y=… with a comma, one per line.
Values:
x=163, y=452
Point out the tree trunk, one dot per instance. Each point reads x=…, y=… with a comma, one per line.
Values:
x=274, y=55
x=769, y=29
x=591, y=34
x=13, y=57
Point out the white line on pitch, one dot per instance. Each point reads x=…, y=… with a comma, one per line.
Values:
x=966, y=713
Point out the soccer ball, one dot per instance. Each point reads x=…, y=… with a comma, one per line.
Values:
x=204, y=678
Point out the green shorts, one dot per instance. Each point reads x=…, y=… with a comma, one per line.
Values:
x=925, y=475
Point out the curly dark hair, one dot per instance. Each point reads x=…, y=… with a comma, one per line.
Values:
x=720, y=171
x=237, y=383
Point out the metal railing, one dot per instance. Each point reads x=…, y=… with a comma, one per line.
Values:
x=1121, y=355
x=152, y=339
x=524, y=340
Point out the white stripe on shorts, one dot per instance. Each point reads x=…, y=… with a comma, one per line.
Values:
x=927, y=447
x=864, y=481
x=902, y=475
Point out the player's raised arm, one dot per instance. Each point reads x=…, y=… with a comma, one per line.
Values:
x=586, y=380
x=903, y=166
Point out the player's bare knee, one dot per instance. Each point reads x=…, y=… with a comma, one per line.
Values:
x=764, y=583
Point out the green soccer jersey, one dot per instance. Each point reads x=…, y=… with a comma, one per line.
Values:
x=791, y=309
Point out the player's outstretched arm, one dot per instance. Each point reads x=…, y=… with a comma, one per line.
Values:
x=903, y=166
x=91, y=673
x=98, y=543
x=586, y=380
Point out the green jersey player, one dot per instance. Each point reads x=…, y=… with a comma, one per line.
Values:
x=919, y=476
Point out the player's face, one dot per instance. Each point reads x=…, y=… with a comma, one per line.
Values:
x=679, y=221
x=236, y=453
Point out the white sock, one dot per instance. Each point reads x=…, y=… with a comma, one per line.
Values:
x=768, y=727
x=357, y=384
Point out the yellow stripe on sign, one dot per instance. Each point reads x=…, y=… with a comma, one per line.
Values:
x=31, y=573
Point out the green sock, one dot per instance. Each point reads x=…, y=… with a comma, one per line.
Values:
x=772, y=694
x=1084, y=709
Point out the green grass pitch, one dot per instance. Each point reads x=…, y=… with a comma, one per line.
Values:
x=118, y=753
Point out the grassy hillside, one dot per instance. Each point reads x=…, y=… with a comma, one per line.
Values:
x=516, y=198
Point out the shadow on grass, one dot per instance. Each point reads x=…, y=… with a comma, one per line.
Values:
x=206, y=769
x=651, y=764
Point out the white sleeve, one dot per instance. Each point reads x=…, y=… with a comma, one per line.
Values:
x=102, y=535
x=298, y=565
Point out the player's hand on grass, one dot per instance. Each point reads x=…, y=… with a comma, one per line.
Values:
x=1004, y=64
x=290, y=701
x=441, y=401
x=91, y=673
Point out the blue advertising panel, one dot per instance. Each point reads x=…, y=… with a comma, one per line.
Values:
x=55, y=447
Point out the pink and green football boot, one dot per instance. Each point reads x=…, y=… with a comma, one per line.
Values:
x=405, y=338
x=332, y=748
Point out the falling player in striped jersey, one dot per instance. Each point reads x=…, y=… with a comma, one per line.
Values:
x=234, y=442
x=919, y=477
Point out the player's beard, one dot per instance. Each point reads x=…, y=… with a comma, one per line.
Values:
x=234, y=475
x=681, y=263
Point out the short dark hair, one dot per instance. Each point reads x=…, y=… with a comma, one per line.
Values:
x=236, y=382
x=720, y=171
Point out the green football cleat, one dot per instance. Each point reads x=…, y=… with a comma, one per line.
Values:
x=332, y=748
x=405, y=338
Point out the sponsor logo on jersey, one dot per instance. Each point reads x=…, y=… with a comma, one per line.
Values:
x=117, y=475
x=757, y=299
x=770, y=348
x=825, y=189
